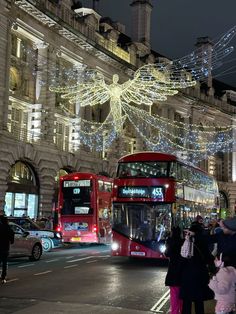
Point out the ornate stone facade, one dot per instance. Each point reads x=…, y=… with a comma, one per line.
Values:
x=33, y=128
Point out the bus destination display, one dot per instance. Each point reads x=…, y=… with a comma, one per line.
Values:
x=156, y=192
x=75, y=183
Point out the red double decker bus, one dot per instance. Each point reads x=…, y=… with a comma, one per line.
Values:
x=84, y=208
x=153, y=191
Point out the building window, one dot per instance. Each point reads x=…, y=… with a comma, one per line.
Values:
x=22, y=195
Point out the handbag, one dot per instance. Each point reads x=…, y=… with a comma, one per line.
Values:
x=187, y=247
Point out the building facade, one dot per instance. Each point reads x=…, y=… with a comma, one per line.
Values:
x=38, y=140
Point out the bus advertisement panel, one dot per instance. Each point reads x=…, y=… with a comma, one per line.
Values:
x=84, y=208
x=153, y=191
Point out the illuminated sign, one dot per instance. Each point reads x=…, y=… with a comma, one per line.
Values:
x=156, y=192
x=76, y=183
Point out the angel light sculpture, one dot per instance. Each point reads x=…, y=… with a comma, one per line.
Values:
x=150, y=83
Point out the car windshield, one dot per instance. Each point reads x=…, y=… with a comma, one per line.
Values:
x=25, y=223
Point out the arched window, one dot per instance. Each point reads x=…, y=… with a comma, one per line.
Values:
x=22, y=193
x=14, y=79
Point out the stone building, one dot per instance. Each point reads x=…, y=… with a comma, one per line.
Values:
x=37, y=139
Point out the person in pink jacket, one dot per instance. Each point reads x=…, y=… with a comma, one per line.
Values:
x=223, y=285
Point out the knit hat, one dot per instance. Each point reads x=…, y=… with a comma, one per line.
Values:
x=230, y=223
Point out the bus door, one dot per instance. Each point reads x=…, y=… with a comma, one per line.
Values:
x=104, y=212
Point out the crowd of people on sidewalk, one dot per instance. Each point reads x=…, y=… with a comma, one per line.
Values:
x=207, y=271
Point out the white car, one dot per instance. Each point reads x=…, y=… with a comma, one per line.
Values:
x=50, y=238
x=25, y=244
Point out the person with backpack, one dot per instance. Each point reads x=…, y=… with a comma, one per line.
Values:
x=6, y=238
x=223, y=285
x=195, y=273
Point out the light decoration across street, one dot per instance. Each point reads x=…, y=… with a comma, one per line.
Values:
x=132, y=101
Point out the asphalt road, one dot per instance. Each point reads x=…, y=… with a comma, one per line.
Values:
x=84, y=280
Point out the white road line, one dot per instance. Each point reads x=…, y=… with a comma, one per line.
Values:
x=13, y=279
x=43, y=273
x=68, y=257
x=71, y=266
x=102, y=256
x=79, y=259
x=91, y=261
x=26, y=265
x=52, y=260
x=161, y=302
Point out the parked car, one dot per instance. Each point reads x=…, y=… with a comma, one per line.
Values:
x=50, y=238
x=25, y=244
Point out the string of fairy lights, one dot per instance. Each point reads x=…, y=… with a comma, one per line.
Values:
x=130, y=102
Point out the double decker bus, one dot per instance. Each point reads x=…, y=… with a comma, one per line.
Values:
x=153, y=191
x=84, y=208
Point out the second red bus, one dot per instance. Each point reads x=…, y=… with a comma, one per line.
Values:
x=84, y=208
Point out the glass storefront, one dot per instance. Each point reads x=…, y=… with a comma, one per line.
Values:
x=21, y=198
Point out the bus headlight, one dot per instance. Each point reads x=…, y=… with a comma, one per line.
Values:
x=162, y=248
x=114, y=246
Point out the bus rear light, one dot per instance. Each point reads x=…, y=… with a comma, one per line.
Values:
x=58, y=228
x=95, y=228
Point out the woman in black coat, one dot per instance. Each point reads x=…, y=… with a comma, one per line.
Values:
x=195, y=276
x=173, y=277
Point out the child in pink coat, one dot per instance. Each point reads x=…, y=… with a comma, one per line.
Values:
x=223, y=285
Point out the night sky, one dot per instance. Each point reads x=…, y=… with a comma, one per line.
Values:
x=176, y=24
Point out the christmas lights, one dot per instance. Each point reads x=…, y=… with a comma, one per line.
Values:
x=150, y=83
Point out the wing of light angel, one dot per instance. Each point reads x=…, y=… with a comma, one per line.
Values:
x=90, y=92
x=207, y=57
x=154, y=82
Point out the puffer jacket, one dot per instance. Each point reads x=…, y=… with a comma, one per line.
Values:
x=223, y=284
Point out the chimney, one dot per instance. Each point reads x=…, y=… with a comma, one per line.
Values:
x=141, y=21
x=204, y=45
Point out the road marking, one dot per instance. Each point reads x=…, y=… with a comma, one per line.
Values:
x=103, y=256
x=43, y=273
x=79, y=259
x=13, y=279
x=52, y=260
x=75, y=265
x=91, y=261
x=67, y=257
x=26, y=265
x=161, y=302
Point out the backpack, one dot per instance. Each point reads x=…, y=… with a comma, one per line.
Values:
x=187, y=247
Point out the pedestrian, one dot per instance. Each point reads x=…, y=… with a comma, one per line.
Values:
x=226, y=240
x=173, y=276
x=223, y=285
x=194, y=275
x=6, y=238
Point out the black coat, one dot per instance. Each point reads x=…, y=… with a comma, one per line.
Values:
x=226, y=244
x=195, y=276
x=6, y=235
x=173, y=276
